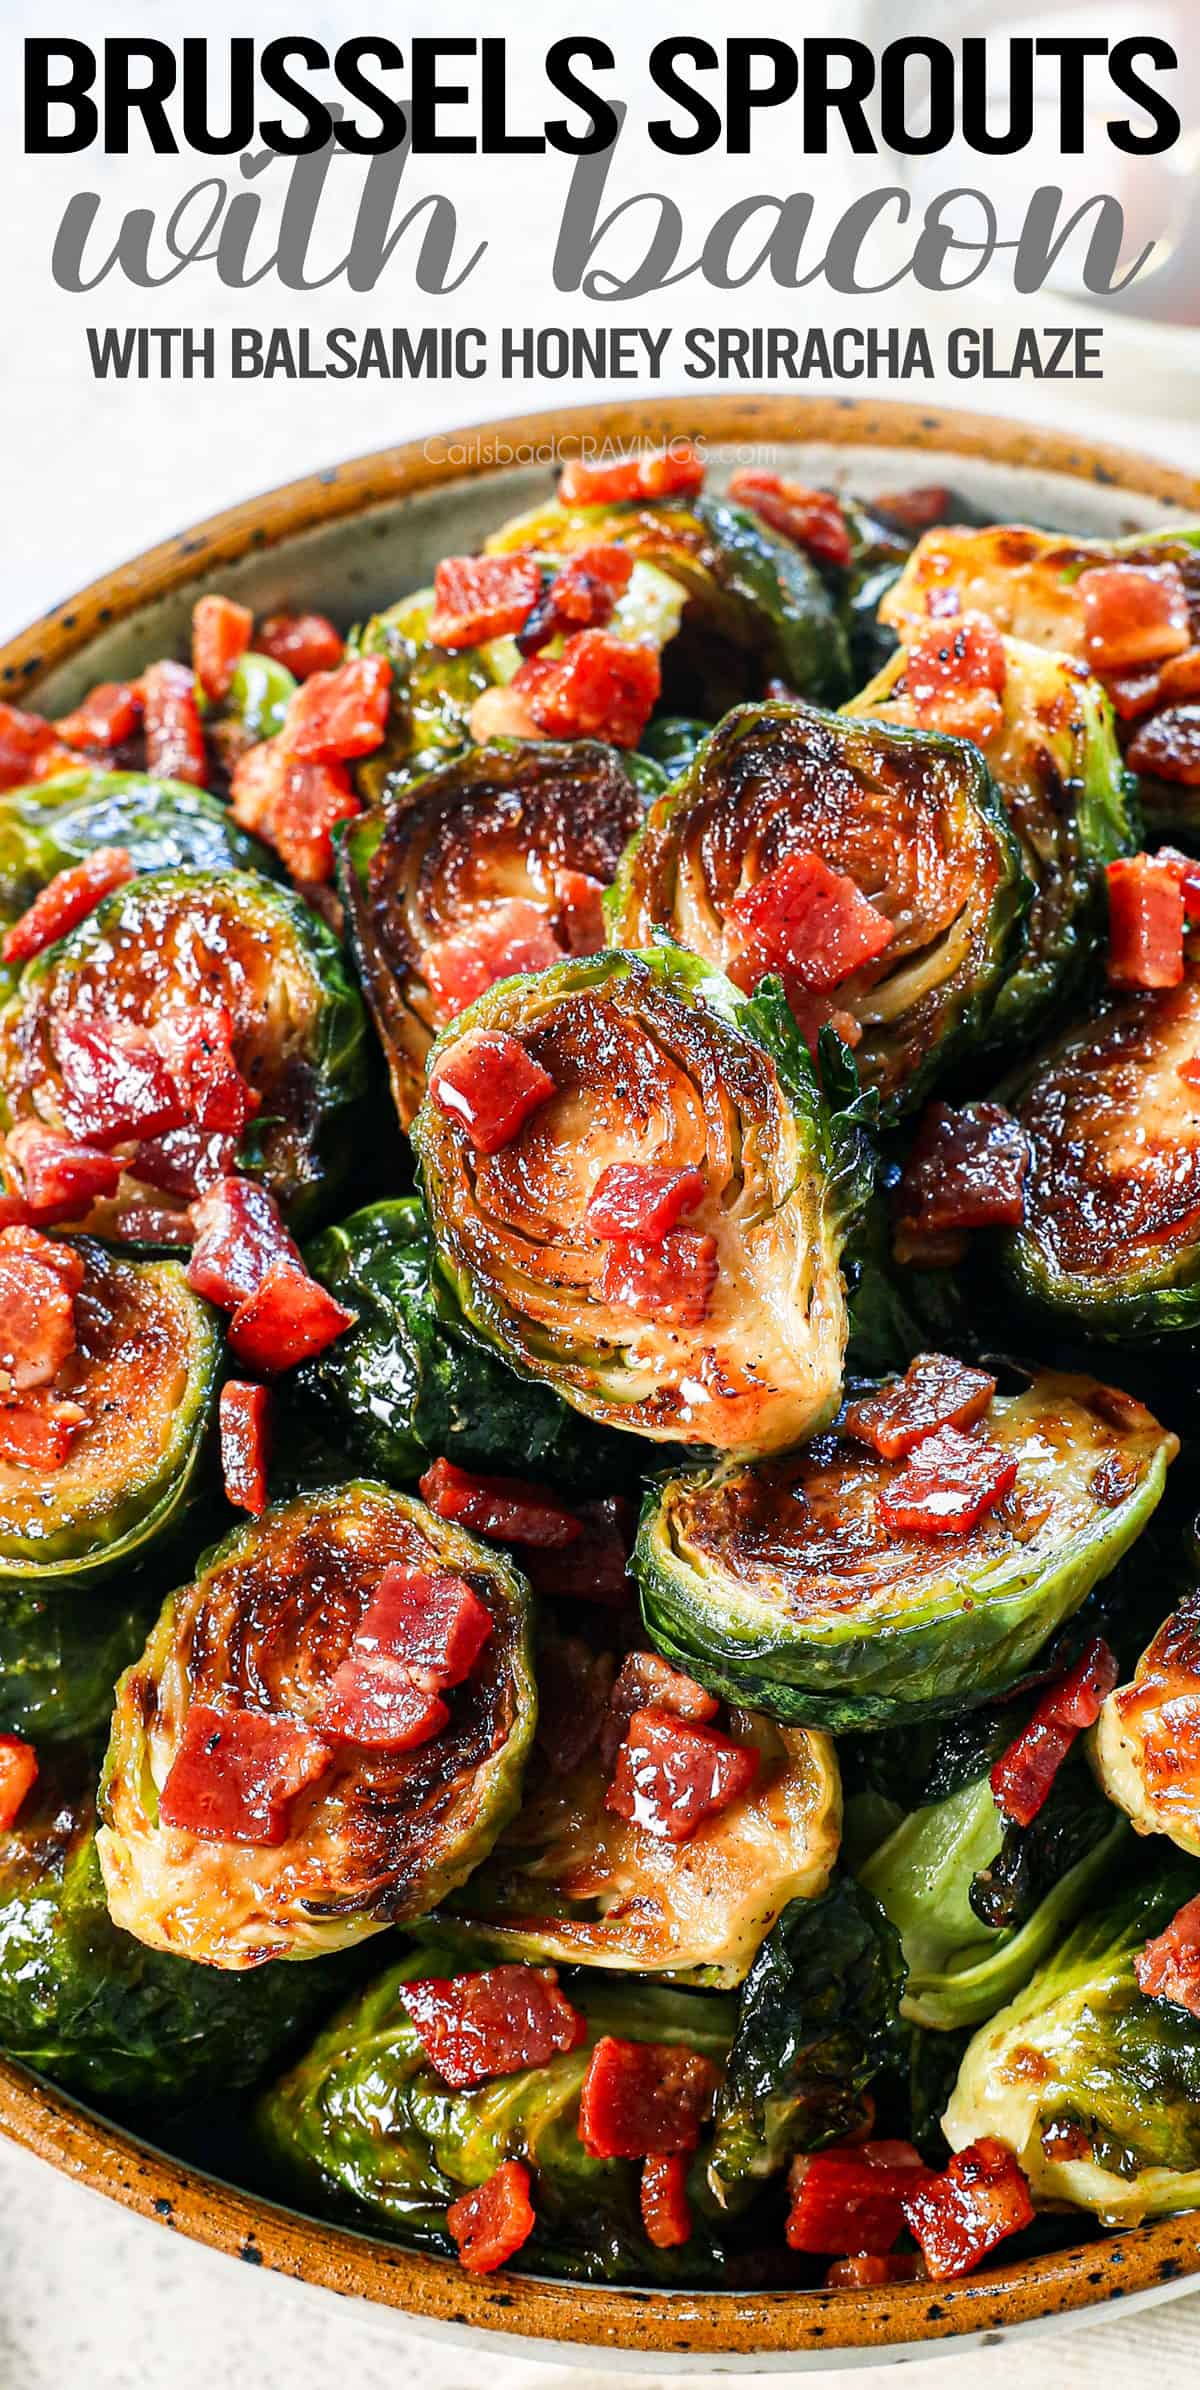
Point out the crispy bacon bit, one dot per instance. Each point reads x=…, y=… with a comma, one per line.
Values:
x=38, y=1285
x=512, y=935
x=66, y=900
x=1168, y=748
x=642, y=1199
x=507, y=1510
x=302, y=643
x=1169, y=1966
x=599, y=687
x=196, y=1044
x=36, y=1432
x=473, y=2027
x=951, y=1482
x=501, y=714
x=108, y=715
x=18, y=1775
x=477, y=598
x=432, y=1622
x=596, y=1567
x=115, y=1084
x=644, y=1681
x=934, y=1392
x=171, y=722
x=812, y=518
x=1187, y=871
x=868, y=2273
x=1132, y=614
x=240, y=1235
x=1023, y=1775
x=373, y=1701
x=666, y=2214
x=580, y=911
x=674, y=472
x=955, y=673
x=57, y=1179
x=581, y=597
x=811, y=921
x=288, y=1318
x=335, y=716
x=245, y=1426
x=670, y=1280
x=1145, y=923
x=1189, y=1071
x=644, y=2099
x=919, y=509
x=966, y=1170
x=673, y=1775
x=847, y=2201
x=30, y=748
x=488, y=2226
x=237, y=1774
x=220, y=636
x=489, y=1085
x=958, y=2217
x=293, y=806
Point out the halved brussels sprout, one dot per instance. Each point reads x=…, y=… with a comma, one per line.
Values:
x=60, y=1656
x=82, y=2003
x=383, y=1834
x=364, y=2124
x=655, y=1063
x=433, y=691
x=182, y=939
x=1110, y=1238
x=1094, y=2086
x=496, y=824
x=144, y=1372
x=779, y=1585
x=1146, y=1744
x=163, y=824
x=910, y=817
x=1057, y=766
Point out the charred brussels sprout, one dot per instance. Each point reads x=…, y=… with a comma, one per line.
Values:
x=1092, y=2084
x=365, y=2124
x=163, y=824
x=653, y=1062
x=143, y=1373
x=781, y=1586
x=175, y=941
x=60, y=1656
x=437, y=872
x=380, y=1834
x=910, y=817
x=1146, y=1744
x=433, y=692
x=88, y=2006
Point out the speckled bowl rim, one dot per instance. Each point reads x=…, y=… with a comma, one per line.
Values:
x=672, y=2326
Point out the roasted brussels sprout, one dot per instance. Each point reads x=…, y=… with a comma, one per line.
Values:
x=433, y=692
x=780, y=1584
x=173, y=942
x=61, y=1654
x=1092, y=2084
x=1057, y=766
x=493, y=864
x=163, y=824
x=364, y=1830
x=910, y=818
x=366, y=2124
x=1146, y=1743
x=731, y=1333
x=143, y=1374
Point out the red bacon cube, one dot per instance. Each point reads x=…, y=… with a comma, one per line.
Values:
x=507, y=1510
x=476, y=598
x=934, y=1392
x=674, y=472
x=36, y=1432
x=663, y=2195
x=951, y=1482
x=673, y=1775
x=115, y=1084
x=643, y=2099
x=57, y=1179
x=289, y=1318
x=238, y=1773
x=848, y=2201
x=488, y=2226
x=220, y=636
x=108, y=715
x=38, y=1285
x=171, y=724
x=1132, y=614
x=489, y=1084
x=812, y=518
x=958, y=2217
x=373, y=1701
x=512, y=935
x=302, y=643
x=600, y=687
x=18, y=1775
x=806, y=919
x=474, y=2027
x=672, y=1279
x=66, y=900
x=1023, y=1775
x=430, y=1621
x=1145, y=923
x=240, y=1236
x=642, y=1200
x=335, y=716
x=245, y=1428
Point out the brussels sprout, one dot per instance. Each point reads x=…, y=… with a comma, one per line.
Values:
x=498, y=823
x=654, y=1060
x=433, y=692
x=144, y=1372
x=364, y=2124
x=1093, y=2085
x=778, y=1584
x=259, y=694
x=817, y=2020
x=1145, y=1744
x=86, y=2005
x=671, y=743
x=405, y=1384
x=163, y=824
x=1110, y=1238
x=194, y=938
x=382, y=1835
x=60, y=1656
x=910, y=817
x=1057, y=766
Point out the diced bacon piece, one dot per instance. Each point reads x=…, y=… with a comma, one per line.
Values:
x=28, y=747
x=966, y=1169
x=237, y=1774
x=430, y=1621
x=502, y=714
x=108, y=715
x=1132, y=614
x=335, y=716
x=302, y=643
x=373, y=1701
x=959, y=2216
x=294, y=806
x=594, y=1568
x=240, y=1236
x=1189, y=1071
x=1168, y=1968
x=474, y=2027
x=934, y=1392
x=38, y=1285
x=1187, y=871
x=57, y=1179
x=115, y=1084
x=642, y=1199
x=1145, y=923
x=1168, y=747
x=951, y=1482
x=512, y=935
x=507, y=1510
x=489, y=1085
x=66, y=900
x=666, y=2214
x=674, y=472
x=18, y=1775
x=220, y=636
x=644, y=2099
x=812, y=921
x=673, y=1775
x=245, y=1426
x=955, y=674
x=488, y=2226
x=196, y=1045
x=36, y=1432
x=671, y=1280
x=171, y=723
x=869, y=2273
x=1023, y=1775
x=644, y=1681
x=289, y=1318
x=812, y=518
x=477, y=598
x=1133, y=694
x=600, y=687
x=919, y=509
x=847, y=2201
x=580, y=911
x=581, y=597
x=1179, y=677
